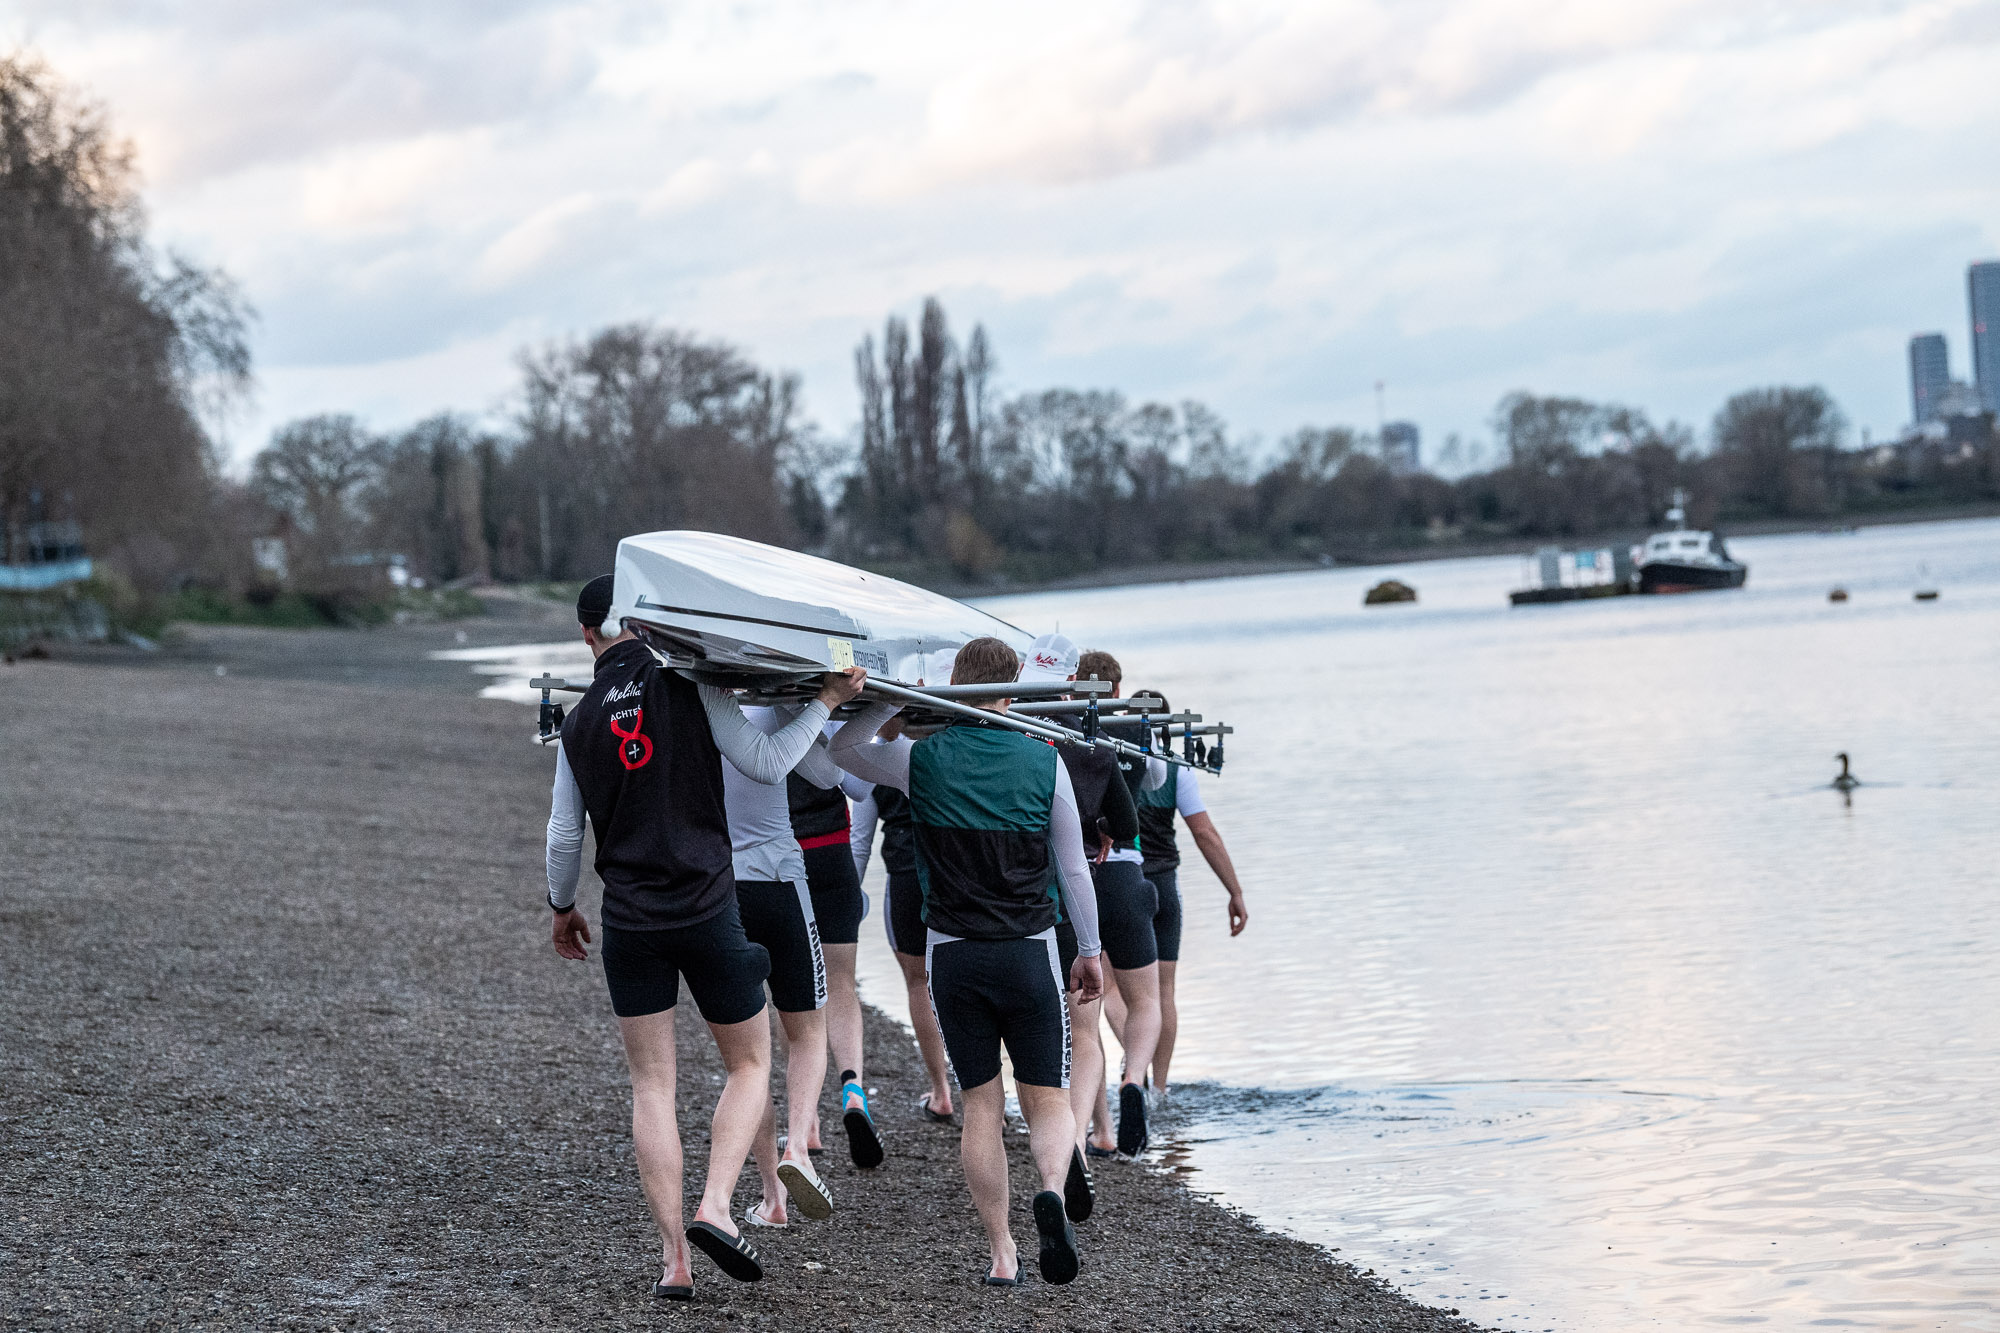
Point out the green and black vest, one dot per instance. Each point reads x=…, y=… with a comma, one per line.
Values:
x=1156, y=825
x=979, y=805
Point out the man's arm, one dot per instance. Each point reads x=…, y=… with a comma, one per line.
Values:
x=1209, y=839
x=861, y=831
x=853, y=748
x=568, y=930
x=1079, y=895
x=767, y=759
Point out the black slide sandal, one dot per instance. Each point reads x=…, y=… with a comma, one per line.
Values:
x=864, y=1145
x=1079, y=1195
x=1131, y=1120
x=673, y=1292
x=1060, y=1260
x=732, y=1254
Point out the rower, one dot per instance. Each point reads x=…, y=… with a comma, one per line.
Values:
x=1161, y=859
x=641, y=753
x=778, y=913
x=1108, y=817
x=822, y=825
x=903, y=906
x=997, y=833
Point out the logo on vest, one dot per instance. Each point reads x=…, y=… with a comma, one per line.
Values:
x=637, y=747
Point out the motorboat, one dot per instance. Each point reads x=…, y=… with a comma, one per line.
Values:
x=1686, y=559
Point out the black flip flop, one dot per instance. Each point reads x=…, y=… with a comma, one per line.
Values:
x=1079, y=1195
x=935, y=1117
x=673, y=1291
x=1131, y=1120
x=1092, y=1150
x=864, y=1145
x=992, y=1281
x=1060, y=1259
x=732, y=1254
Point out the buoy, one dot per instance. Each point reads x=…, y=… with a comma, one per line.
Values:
x=1837, y=595
x=1927, y=594
x=1846, y=781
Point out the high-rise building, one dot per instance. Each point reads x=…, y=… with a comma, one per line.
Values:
x=1930, y=376
x=1399, y=448
x=1982, y=283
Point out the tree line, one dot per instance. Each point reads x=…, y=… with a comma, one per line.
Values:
x=115, y=362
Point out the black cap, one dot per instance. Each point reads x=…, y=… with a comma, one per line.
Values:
x=594, y=602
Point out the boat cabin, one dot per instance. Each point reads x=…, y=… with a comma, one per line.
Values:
x=1682, y=544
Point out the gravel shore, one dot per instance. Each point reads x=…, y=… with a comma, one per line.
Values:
x=285, y=1046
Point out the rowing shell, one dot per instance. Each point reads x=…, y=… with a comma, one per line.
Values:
x=729, y=607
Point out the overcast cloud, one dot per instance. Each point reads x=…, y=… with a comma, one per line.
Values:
x=1267, y=206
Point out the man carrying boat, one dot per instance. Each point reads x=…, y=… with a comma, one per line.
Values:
x=641, y=755
x=997, y=833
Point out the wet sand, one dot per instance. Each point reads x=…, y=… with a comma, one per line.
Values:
x=285, y=1046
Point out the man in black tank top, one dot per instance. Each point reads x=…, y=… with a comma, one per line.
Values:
x=639, y=759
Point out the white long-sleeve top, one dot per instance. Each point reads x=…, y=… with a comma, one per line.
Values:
x=761, y=841
x=855, y=749
x=763, y=756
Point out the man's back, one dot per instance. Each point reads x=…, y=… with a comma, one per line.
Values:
x=980, y=800
x=639, y=746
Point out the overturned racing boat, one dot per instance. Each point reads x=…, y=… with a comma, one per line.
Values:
x=742, y=615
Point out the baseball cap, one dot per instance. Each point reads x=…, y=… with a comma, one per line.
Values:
x=937, y=666
x=1050, y=657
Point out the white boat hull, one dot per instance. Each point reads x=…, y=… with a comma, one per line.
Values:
x=724, y=606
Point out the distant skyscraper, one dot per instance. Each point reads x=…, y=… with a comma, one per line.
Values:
x=1399, y=447
x=1983, y=285
x=1930, y=376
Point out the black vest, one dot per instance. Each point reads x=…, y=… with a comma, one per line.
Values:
x=816, y=811
x=899, y=835
x=639, y=745
x=1101, y=794
x=1156, y=825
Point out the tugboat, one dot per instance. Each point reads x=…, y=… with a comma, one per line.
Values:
x=1686, y=560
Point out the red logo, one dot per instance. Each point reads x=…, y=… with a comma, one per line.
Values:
x=637, y=749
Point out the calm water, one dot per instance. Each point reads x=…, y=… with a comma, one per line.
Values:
x=1576, y=998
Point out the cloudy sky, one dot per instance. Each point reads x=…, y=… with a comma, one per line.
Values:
x=1266, y=206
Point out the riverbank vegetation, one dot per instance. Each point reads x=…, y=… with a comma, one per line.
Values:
x=117, y=360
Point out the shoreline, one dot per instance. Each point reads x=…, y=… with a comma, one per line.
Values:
x=293, y=1051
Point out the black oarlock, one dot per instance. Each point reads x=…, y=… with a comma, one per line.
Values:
x=1090, y=719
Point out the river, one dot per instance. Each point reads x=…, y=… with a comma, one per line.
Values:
x=1573, y=996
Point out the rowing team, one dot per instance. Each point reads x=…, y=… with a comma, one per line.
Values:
x=1015, y=866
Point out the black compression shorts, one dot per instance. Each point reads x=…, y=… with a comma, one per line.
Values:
x=990, y=992
x=1167, y=919
x=1125, y=907
x=778, y=915
x=904, y=915
x=725, y=972
x=836, y=893
x=1065, y=947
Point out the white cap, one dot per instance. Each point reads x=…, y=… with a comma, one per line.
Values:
x=1051, y=657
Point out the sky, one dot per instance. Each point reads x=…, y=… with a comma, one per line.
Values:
x=1269, y=207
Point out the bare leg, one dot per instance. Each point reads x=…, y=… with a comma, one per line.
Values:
x=746, y=1098
x=1140, y=989
x=982, y=1150
x=929, y=1040
x=805, y=1076
x=1103, y=1135
x=843, y=1015
x=1051, y=1130
x=656, y=1136
x=765, y=1149
x=1114, y=1010
x=1086, y=1073
x=1170, y=1027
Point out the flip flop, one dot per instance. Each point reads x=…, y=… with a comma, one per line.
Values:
x=673, y=1291
x=1060, y=1259
x=1131, y=1120
x=992, y=1281
x=809, y=1193
x=1092, y=1150
x=864, y=1145
x=1079, y=1195
x=755, y=1218
x=935, y=1117
x=732, y=1254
